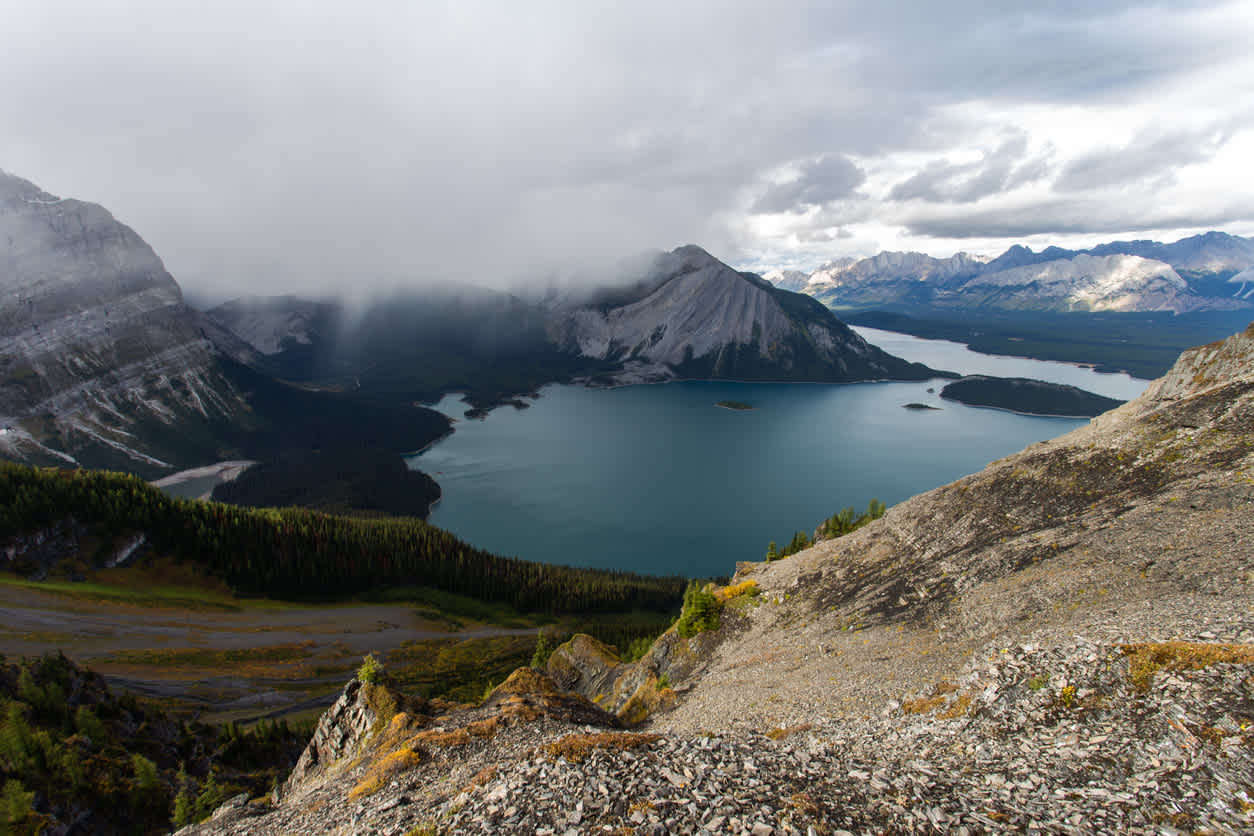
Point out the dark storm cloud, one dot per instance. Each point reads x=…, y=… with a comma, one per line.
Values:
x=1066, y=217
x=272, y=146
x=947, y=182
x=820, y=181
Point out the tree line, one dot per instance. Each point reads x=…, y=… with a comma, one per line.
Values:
x=296, y=553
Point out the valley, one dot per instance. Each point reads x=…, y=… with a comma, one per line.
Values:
x=220, y=659
x=576, y=519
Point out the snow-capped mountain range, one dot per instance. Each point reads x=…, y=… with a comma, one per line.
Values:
x=1200, y=273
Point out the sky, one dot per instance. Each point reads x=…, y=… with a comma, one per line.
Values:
x=266, y=147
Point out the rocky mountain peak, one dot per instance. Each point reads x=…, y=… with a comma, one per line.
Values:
x=693, y=316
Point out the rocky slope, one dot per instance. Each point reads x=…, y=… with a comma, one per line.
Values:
x=1062, y=643
x=1189, y=275
x=94, y=336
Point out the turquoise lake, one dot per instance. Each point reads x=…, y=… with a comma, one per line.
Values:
x=657, y=479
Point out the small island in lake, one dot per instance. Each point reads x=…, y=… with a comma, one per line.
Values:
x=1032, y=397
x=919, y=406
x=739, y=405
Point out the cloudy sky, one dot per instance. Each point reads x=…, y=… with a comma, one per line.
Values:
x=267, y=146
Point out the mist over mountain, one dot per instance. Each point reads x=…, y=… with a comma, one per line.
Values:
x=105, y=365
x=657, y=316
x=102, y=364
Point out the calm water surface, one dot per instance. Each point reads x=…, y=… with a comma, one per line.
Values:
x=657, y=479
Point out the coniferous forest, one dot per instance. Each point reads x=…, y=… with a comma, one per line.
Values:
x=295, y=553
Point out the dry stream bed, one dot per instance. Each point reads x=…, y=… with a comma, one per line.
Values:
x=222, y=660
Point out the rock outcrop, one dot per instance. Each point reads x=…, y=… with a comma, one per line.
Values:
x=376, y=753
x=356, y=714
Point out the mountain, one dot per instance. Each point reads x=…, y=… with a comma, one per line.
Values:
x=663, y=316
x=1189, y=275
x=1081, y=283
x=1062, y=642
x=1244, y=283
x=102, y=364
x=1198, y=256
x=695, y=317
x=891, y=275
x=94, y=336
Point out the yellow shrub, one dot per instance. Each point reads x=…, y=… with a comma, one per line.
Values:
x=399, y=761
x=749, y=587
x=1145, y=660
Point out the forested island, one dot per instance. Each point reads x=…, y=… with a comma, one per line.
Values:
x=1032, y=397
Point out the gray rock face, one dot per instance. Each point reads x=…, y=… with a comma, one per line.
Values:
x=340, y=729
x=93, y=332
x=704, y=307
x=703, y=319
x=269, y=325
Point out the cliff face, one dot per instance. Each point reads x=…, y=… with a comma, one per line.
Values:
x=1063, y=641
x=94, y=335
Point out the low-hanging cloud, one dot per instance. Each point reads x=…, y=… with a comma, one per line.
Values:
x=270, y=147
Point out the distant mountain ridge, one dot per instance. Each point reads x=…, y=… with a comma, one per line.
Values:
x=1197, y=273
